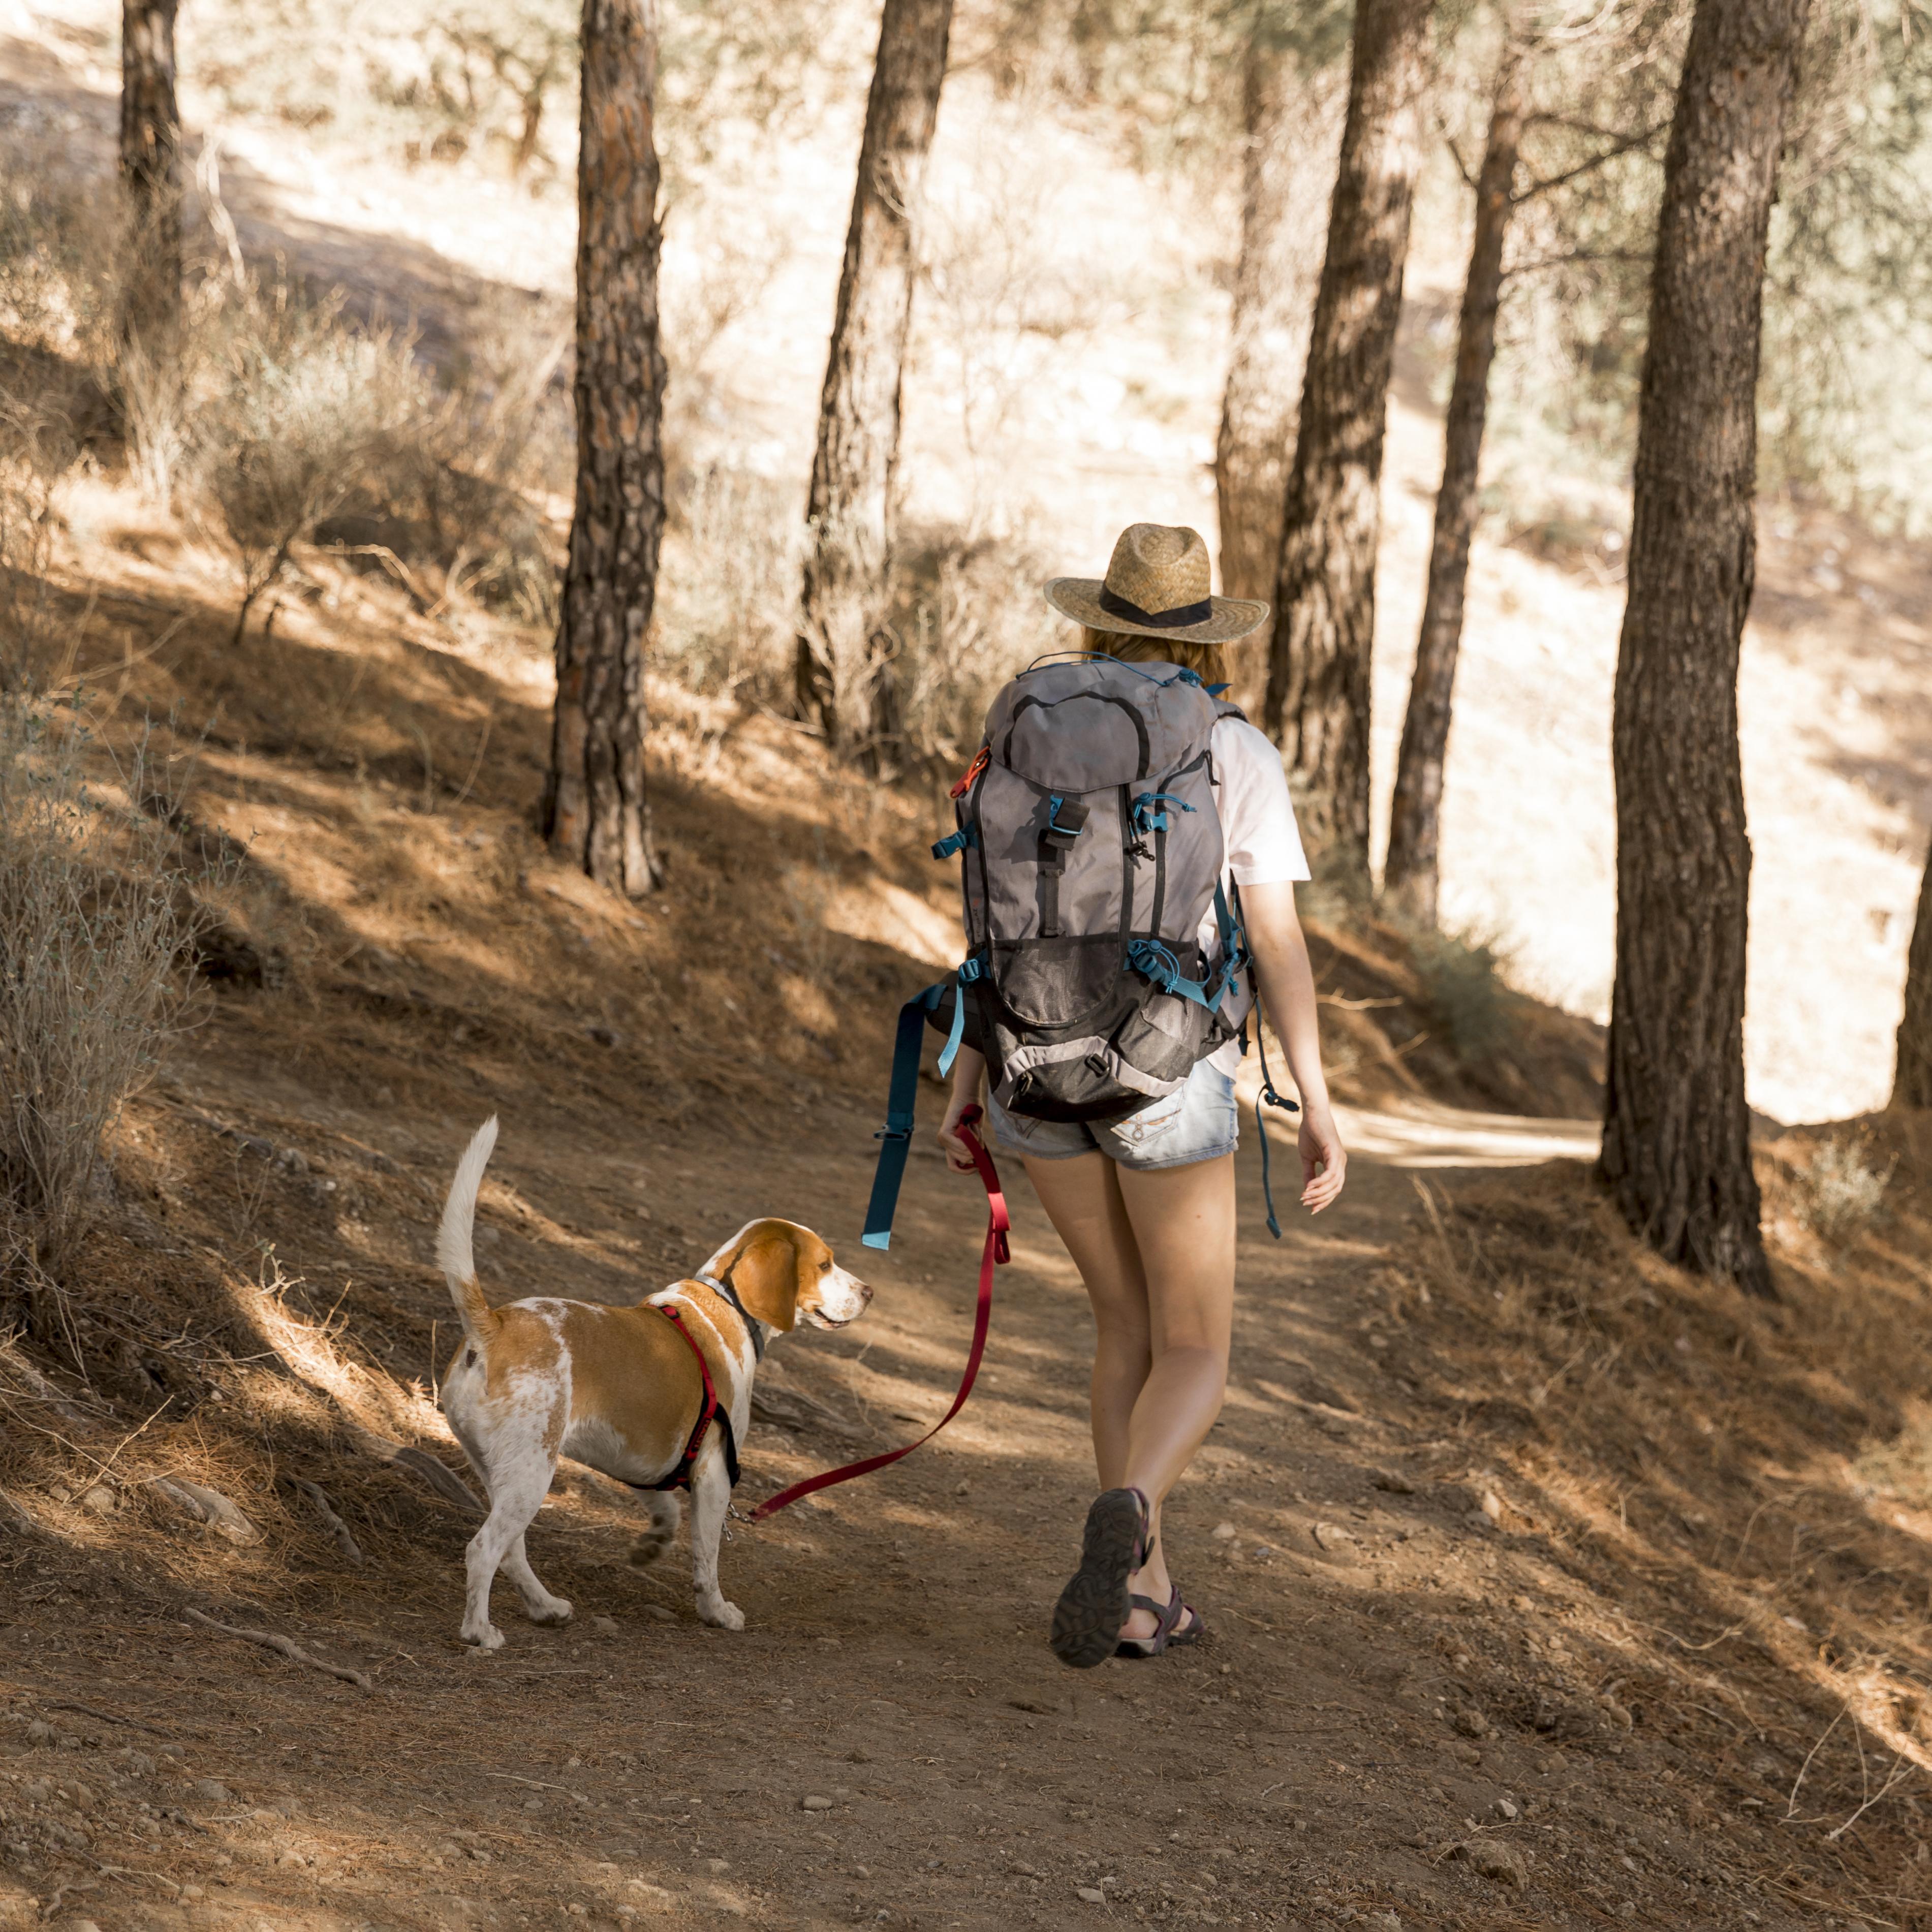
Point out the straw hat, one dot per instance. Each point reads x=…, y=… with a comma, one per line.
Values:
x=1155, y=586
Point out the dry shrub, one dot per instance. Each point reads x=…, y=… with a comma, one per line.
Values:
x=304, y=410
x=1463, y=988
x=729, y=590
x=73, y=276
x=36, y=448
x=970, y=616
x=95, y=919
x=449, y=489
x=967, y=613
x=1839, y=1193
x=58, y=249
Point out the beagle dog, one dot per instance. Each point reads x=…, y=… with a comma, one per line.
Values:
x=624, y=1389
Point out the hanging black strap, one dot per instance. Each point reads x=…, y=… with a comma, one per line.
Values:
x=1267, y=1096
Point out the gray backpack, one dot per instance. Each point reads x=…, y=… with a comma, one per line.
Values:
x=1091, y=851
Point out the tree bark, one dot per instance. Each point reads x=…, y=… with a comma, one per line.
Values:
x=596, y=814
x=1317, y=704
x=845, y=644
x=1290, y=119
x=1912, y=1082
x=1676, y=1149
x=151, y=174
x=1411, y=874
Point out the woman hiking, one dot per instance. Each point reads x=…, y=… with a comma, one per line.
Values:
x=1146, y=1206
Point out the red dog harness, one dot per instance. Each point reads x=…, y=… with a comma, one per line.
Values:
x=710, y=1410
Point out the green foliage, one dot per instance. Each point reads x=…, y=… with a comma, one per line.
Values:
x=1847, y=389
x=1167, y=72
x=496, y=79
x=1464, y=988
x=1847, y=368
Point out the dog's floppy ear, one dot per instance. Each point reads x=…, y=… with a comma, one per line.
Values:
x=766, y=1266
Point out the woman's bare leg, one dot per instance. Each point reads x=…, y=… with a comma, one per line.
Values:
x=1156, y=1249
x=1182, y=1219
x=1082, y=1199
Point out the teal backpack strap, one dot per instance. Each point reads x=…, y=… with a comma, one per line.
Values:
x=970, y=969
x=895, y=1136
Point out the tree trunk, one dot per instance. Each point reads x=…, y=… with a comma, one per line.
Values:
x=845, y=644
x=595, y=811
x=1912, y=1082
x=1318, y=692
x=1676, y=1130
x=151, y=175
x=1411, y=874
x=1290, y=118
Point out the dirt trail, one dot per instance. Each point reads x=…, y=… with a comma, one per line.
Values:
x=1423, y=1133
x=1313, y=1764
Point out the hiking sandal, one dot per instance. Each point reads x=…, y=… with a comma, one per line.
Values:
x=1167, y=1634
x=1087, y=1620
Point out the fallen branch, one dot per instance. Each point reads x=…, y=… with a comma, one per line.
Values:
x=287, y=1647
x=326, y=1510
x=206, y=1505
x=792, y=1409
x=38, y=1384
x=106, y=1716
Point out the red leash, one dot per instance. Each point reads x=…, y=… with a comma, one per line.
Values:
x=994, y=1253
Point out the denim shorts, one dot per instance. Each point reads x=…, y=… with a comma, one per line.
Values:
x=1198, y=1120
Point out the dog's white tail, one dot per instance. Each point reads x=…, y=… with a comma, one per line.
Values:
x=453, y=1250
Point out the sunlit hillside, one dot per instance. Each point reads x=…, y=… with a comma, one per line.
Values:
x=1069, y=353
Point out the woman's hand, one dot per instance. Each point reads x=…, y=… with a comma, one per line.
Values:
x=968, y=1072
x=1324, y=1162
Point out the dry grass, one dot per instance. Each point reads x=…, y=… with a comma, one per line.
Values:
x=1747, y=1485
x=97, y=920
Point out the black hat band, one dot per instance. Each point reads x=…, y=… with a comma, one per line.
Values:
x=1117, y=606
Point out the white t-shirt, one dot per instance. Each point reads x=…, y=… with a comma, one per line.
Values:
x=1258, y=825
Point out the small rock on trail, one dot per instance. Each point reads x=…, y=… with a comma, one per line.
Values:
x=1494, y=1859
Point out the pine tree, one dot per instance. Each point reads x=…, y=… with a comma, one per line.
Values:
x=1676, y=1151
x=1411, y=874
x=1291, y=114
x=151, y=175
x=1912, y=1081
x=596, y=812
x=1317, y=704
x=844, y=680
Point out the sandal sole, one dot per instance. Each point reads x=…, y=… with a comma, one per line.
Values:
x=1087, y=1618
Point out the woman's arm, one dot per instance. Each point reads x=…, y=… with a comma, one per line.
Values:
x=969, y=1070
x=1287, y=983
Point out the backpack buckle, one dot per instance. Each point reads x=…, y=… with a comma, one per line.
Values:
x=1065, y=820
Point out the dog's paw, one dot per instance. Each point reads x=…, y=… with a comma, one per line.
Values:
x=649, y=1548
x=488, y=1638
x=722, y=1615
x=558, y=1610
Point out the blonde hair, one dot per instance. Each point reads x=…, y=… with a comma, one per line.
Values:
x=1208, y=662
